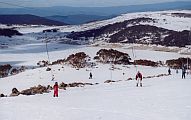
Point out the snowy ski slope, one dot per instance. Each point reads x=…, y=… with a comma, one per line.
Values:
x=160, y=98
x=163, y=98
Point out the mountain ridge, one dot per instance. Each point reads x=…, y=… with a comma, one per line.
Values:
x=105, y=11
x=78, y=19
x=95, y=11
x=27, y=19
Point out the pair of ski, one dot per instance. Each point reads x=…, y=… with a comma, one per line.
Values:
x=141, y=85
x=139, y=81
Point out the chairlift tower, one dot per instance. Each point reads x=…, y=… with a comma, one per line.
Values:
x=188, y=47
x=189, y=40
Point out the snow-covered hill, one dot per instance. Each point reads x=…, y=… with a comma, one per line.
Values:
x=160, y=27
x=143, y=28
x=166, y=19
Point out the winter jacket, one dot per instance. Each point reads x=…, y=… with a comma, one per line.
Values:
x=55, y=88
x=139, y=75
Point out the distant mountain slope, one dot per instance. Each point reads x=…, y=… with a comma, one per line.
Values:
x=168, y=28
x=27, y=19
x=153, y=28
x=100, y=11
x=78, y=19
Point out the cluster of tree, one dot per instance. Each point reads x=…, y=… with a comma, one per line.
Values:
x=60, y=61
x=146, y=63
x=50, y=30
x=179, y=39
x=7, y=69
x=178, y=63
x=130, y=31
x=185, y=15
x=113, y=56
x=15, y=71
x=4, y=70
x=43, y=63
x=31, y=91
x=140, y=34
x=108, y=29
x=74, y=84
x=146, y=34
x=78, y=60
x=9, y=32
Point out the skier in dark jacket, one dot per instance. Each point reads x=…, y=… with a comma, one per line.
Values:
x=169, y=71
x=56, y=89
x=177, y=71
x=90, y=76
x=183, y=72
x=139, y=78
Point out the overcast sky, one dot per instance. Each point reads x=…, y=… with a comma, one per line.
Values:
x=78, y=3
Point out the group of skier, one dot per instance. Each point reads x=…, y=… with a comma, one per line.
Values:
x=56, y=86
x=138, y=77
x=183, y=71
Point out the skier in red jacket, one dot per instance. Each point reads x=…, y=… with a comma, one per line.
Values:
x=56, y=89
x=139, y=78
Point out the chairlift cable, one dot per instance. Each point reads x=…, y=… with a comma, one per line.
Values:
x=49, y=60
x=134, y=56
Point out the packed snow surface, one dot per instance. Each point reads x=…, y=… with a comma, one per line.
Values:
x=162, y=98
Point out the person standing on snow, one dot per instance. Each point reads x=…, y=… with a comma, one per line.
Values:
x=177, y=70
x=169, y=71
x=90, y=76
x=183, y=72
x=56, y=89
x=139, y=78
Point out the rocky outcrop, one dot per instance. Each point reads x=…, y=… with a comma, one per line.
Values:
x=49, y=87
x=74, y=84
x=15, y=92
x=63, y=86
x=130, y=79
x=2, y=95
x=109, y=81
x=78, y=84
x=48, y=69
